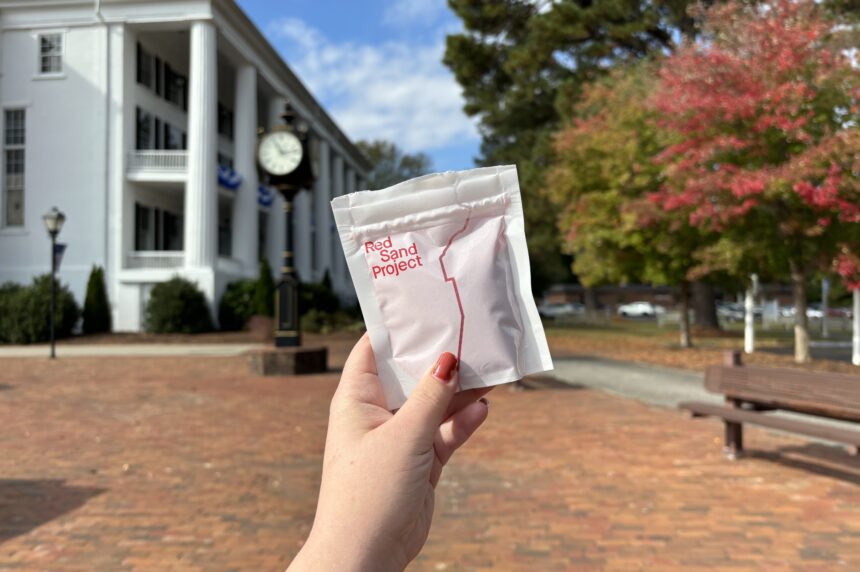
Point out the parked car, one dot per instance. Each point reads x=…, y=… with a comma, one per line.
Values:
x=730, y=311
x=812, y=311
x=560, y=309
x=640, y=310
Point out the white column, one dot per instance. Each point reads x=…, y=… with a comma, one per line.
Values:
x=275, y=233
x=118, y=144
x=245, y=204
x=749, y=315
x=302, y=234
x=201, y=190
x=323, y=218
x=339, y=261
x=855, y=339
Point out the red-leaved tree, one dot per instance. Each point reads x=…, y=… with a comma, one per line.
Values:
x=767, y=111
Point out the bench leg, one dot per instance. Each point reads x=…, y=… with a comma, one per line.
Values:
x=734, y=440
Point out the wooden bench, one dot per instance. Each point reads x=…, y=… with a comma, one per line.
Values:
x=753, y=391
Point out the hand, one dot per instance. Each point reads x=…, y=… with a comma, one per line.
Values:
x=380, y=469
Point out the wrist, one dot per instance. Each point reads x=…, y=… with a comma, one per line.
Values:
x=329, y=549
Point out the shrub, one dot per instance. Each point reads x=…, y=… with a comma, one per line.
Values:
x=264, y=294
x=25, y=312
x=96, y=314
x=177, y=307
x=315, y=321
x=318, y=296
x=237, y=305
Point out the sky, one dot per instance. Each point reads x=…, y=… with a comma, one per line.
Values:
x=376, y=66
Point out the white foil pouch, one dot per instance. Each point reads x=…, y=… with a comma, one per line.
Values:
x=440, y=264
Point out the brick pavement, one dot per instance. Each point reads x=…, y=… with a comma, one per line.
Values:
x=192, y=464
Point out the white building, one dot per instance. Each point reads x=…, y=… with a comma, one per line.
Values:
x=119, y=113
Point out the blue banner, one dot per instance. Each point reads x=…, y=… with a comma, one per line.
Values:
x=59, y=250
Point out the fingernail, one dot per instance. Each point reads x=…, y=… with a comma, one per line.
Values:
x=446, y=365
x=485, y=401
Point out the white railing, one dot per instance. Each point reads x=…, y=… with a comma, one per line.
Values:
x=155, y=259
x=174, y=161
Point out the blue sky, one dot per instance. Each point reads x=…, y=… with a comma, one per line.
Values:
x=376, y=67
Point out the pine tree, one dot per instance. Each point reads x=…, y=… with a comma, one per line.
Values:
x=264, y=295
x=97, y=312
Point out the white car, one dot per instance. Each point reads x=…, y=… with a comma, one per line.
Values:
x=559, y=309
x=640, y=310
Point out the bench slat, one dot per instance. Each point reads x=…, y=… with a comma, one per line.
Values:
x=825, y=394
x=836, y=434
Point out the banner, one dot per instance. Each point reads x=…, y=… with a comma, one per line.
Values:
x=59, y=250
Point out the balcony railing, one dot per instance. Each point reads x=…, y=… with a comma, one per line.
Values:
x=171, y=161
x=155, y=259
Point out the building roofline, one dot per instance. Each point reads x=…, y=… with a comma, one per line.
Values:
x=260, y=43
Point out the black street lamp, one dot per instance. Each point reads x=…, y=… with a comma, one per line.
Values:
x=54, y=220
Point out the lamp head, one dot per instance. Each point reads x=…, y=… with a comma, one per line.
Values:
x=54, y=220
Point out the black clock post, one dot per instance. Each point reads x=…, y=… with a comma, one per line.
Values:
x=286, y=164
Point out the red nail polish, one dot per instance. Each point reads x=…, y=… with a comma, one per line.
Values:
x=446, y=365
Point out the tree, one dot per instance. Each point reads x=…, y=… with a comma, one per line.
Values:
x=601, y=182
x=264, y=291
x=97, y=313
x=766, y=112
x=523, y=64
x=391, y=165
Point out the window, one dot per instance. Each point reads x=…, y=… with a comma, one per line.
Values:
x=262, y=231
x=51, y=54
x=156, y=229
x=145, y=70
x=175, y=87
x=144, y=130
x=174, y=138
x=225, y=161
x=142, y=239
x=14, y=139
x=225, y=231
x=225, y=122
x=159, y=79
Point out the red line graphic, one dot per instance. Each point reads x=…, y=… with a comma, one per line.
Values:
x=453, y=281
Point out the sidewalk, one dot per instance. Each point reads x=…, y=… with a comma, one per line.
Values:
x=181, y=464
x=127, y=350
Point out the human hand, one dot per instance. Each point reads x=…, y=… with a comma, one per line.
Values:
x=380, y=469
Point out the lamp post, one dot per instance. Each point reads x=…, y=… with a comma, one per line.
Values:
x=54, y=220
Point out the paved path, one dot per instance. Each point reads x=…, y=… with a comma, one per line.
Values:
x=182, y=464
x=127, y=350
x=654, y=385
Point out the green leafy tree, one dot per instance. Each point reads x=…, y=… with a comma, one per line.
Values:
x=601, y=181
x=97, y=313
x=522, y=66
x=264, y=293
x=391, y=165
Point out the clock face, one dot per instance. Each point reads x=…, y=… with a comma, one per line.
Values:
x=280, y=153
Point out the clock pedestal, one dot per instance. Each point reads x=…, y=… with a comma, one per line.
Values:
x=284, y=157
x=288, y=357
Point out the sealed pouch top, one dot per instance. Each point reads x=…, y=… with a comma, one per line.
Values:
x=439, y=264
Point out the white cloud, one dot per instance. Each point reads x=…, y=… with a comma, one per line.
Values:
x=407, y=12
x=395, y=91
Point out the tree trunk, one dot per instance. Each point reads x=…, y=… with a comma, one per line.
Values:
x=686, y=341
x=801, y=322
x=705, y=306
x=590, y=302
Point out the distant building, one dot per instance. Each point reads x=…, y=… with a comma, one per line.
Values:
x=138, y=119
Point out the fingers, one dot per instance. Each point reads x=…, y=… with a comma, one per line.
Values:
x=359, y=382
x=466, y=397
x=454, y=432
x=427, y=406
x=361, y=358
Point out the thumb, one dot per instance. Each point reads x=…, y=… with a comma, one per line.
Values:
x=427, y=406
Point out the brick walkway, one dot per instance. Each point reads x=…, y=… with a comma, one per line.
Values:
x=191, y=464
